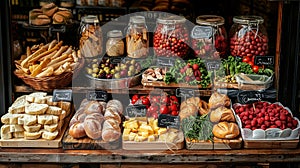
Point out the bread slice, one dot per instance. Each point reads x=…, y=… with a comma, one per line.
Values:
x=33, y=128
x=63, y=115
x=37, y=97
x=7, y=136
x=29, y=119
x=65, y=106
x=51, y=127
x=36, y=109
x=16, y=128
x=9, y=118
x=18, y=106
x=54, y=110
x=18, y=134
x=5, y=129
x=49, y=101
x=47, y=119
x=49, y=135
x=32, y=135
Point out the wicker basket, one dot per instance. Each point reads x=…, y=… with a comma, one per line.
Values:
x=51, y=82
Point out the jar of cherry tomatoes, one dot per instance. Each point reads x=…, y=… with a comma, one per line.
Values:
x=171, y=37
x=248, y=38
x=209, y=37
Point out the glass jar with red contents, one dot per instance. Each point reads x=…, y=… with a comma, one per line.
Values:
x=248, y=38
x=171, y=37
x=209, y=37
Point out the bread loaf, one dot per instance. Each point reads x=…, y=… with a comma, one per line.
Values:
x=37, y=97
x=226, y=130
x=49, y=101
x=115, y=103
x=222, y=114
x=93, y=125
x=112, y=113
x=216, y=100
x=54, y=110
x=5, y=129
x=93, y=107
x=47, y=119
x=111, y=130
x=49, y=9
x=18, y=134
x=9, y=118
x=187, y=111
x=77, y=130
x=65, y=106
x=29, y=119
x=16, y=128
x=192, y=100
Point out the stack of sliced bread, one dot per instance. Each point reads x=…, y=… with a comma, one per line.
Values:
x=34, y=116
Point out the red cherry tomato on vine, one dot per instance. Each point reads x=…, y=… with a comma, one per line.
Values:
x=174, y=113
x=246, y=59
x=134, y=99
x=165, y=100
x=173, y=107
x=145, y=101
x=255, y=68
x=251, y=63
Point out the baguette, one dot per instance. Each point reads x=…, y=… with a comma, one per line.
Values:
x=58, y=59
x=32, y=135
x=39, y=69
x=60, y=52
x=25, y=64
x=52, y=44
x=56, y=47
x=33, y=128
x=51, y=55
x=48, y=72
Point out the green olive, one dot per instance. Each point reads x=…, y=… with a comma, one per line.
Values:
x=112, y=71
x=95, y=66
x=129, y=73
x=131, y=68
x=132, y=62
x=117, y=68
x=94, y=60
x=89, y=71
x=95, y=70
x=94, y=75
x=117, y=75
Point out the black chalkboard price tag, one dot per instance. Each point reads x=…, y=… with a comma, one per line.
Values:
x=137, y=110
x=168, y=121
x=201, y=32
x=97, y=95
x=248, y=97
x=165, y=61
x=264, y=60
x=62, y=95
x=212, y=64
x=183, y=92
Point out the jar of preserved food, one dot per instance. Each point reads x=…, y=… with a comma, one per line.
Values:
x=209, y=37
x=171, y=37
x=137, y=38
x=248, y=38
x=115, y=44
x=90, y=42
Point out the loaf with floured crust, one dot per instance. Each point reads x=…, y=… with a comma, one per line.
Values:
x=93, y=125
x=76, y=130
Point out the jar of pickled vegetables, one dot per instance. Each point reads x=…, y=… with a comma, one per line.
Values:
x=209, y=37
x=115, y=44
x=171, y=37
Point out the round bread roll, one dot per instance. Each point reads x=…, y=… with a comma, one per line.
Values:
x=79, y=116
x=216, y=100
x=222, y=114
x=226, y=130
x=112, y=112
x=192, y=100
x=94, y=107
x=93, y=125
x=111, y=130
x=117, y=104
x=187, y=111
x=203, y=107
x=77, y=130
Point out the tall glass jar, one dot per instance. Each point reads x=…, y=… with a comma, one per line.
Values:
x=171, y=37
x=115, y=44
x=90, y=42
x=248, y=38
x=209, y=37
x=137, y=38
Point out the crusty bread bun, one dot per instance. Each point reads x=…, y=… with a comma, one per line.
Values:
x=93, y=107
x=32, y=135
x=226, y=130
x=111, y=130
x=117, y=104
x=216, y=100
x=192, y=100
x=93, y=125
x=222, y=114
x=203, y=107
x=187, y=111
x=77, y=130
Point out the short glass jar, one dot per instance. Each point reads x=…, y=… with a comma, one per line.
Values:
x=90, y=43
x=114, y=43
x=209, y=37
x=248, y=38
x=171, y=37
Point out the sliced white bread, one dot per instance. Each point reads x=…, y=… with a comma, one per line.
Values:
x=49, y=135
x=37, y=97
x=33, y=128
x=50, y=102
x=36, y=109
x=7, y=136
x=65, y=106
x=5, y=129
x=51, y=127
x=18, y=134
x=29, y=119
x=32, y=135
x=9, y=118
x=16, y=128
x=54, y=110
x=18, y=106
x=63, y=115
x=48, y=119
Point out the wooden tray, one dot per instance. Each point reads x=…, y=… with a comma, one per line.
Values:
x=218, y=144
x=171, y=85
x=132, y=145
x=69, y=142
x=271, y=144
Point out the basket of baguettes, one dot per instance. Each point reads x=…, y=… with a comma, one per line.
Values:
x=49, y=66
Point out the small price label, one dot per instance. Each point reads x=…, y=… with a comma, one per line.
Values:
x=248, y=97
x=264, y=60
x=62, y=95
x=201, y=32
x=166, y=120
x=212, y=64
x=165, y=61
x=182, y=92
x=97, y=95
x=137, y=110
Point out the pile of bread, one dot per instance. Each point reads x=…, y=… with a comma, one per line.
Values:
x=34, y=116
x=97, y=120
x=50, y=13
x=218, y=109
x=49, y=59
x=146, y=129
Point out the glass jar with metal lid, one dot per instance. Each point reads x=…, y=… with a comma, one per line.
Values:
x=248, y=38
x=209, y=37
x=115, y=44
x=90, y=42
x=137, y=38
x=171, y=37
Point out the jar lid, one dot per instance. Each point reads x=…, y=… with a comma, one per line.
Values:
x=171, y=19
x=90, y=19
x=210, y=20
x=115, y=33
x=248, y=19
x=137, y=19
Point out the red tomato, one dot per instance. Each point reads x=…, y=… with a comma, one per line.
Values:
x=173, y=107
x=164, y=109
x=255, y=68
x=195, y=67
x=165, y=99
x=155, y=99
x=174, y=99
x=251, y=63
x=134, y=99
x=145, y=101
x=174, y=113
x=246, y=59
x=153, y=108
